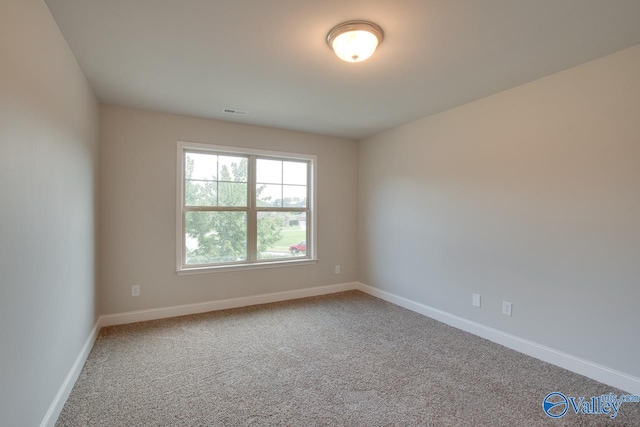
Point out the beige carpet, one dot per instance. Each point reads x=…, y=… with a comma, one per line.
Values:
x=343, y=359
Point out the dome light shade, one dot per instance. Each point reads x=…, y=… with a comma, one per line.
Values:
x=355, y=41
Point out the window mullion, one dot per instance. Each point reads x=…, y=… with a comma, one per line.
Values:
x=285, y=209
x=252, y=225
x=310, y=209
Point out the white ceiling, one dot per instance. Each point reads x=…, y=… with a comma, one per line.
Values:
x=269, y=57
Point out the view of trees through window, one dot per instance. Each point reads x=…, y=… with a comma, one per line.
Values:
x=217, y=211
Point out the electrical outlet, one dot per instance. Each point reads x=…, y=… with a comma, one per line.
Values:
x=135, y=291
x=337, y=269
x=476, y=300
x=506, y=308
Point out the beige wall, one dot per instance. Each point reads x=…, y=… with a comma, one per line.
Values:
x=530, y=196
x=138, y=212
x=48, y=162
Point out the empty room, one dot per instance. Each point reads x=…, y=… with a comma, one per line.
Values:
x=319, y=213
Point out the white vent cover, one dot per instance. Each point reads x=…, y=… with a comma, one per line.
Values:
x=234, y=111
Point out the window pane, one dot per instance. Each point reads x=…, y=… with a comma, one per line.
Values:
x=232, y=194
x=232, y=168
x=200, y=186
x=282, y=234
x=215, y=237
x=268, y=195
x=294, y=196
x=268, y=171
x=294, y=173
x=200, y=193
x=200, y=166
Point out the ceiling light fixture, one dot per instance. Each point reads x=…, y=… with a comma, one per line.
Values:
x=355, y=41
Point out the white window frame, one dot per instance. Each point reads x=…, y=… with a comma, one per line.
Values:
x=252, y=262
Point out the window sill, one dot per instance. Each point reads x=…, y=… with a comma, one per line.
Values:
x=240, y=267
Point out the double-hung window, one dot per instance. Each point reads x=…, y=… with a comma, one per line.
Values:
x=243, y=208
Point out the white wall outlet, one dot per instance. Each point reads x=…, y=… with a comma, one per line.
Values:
x=506, y=308
x=135, y=291
x=475, y=300
x=337, y=269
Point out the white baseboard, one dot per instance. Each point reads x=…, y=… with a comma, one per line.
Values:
x=203, y=307
x=575, y=364
x=67, y=385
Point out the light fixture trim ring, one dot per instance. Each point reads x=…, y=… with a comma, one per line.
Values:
x=355, y=25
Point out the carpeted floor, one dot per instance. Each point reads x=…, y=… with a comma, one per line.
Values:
x=343, y=359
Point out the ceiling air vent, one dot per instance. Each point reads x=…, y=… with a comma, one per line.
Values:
x=235, y=112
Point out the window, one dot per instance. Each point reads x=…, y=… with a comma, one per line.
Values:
x=243, y=208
